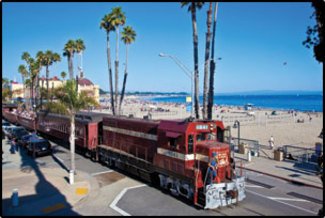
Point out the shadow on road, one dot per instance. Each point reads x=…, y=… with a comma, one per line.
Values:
x=48, y=199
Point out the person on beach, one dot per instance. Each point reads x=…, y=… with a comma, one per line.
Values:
x=271, y=142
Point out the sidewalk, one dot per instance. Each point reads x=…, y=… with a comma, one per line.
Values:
x=285, y=169
x=43, y=187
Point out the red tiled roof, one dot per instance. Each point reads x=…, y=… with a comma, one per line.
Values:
x=85, y=82
x=55, y=78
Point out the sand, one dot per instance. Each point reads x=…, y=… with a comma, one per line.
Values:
x=257, y=124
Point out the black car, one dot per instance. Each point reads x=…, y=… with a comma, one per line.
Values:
x=18, y=132
x=24, y=140
x=8, y=130
x=38, y=147
x=5, y=123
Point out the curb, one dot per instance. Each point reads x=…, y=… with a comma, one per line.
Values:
x=283, y=178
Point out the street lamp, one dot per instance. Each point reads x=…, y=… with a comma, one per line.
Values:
x=237, y=123
x=186, y=71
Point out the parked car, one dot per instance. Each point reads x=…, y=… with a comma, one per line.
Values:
x=18, y=132
x=8, y=130
x=5, y=123
x=2, y=134
x=38, y=147
x=24, y=140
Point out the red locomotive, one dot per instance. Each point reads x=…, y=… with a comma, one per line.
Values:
x=175, y=154
x=172, y=153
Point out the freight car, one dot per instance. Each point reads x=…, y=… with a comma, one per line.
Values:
x=175, y=154
x=88, y=129
x=9, y=112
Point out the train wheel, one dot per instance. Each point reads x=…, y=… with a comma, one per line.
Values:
x=155, y=179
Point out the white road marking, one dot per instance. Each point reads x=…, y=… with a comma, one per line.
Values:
x=108, y=171
x=254, y=186
x=288, y=199
x=300, y=208
x=119, y=196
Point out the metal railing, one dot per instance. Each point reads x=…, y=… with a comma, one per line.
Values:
x=301, y=154
x=253, y=145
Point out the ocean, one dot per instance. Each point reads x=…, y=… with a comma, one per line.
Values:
x=302, y=102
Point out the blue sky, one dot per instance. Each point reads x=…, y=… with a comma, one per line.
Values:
x=253, y=39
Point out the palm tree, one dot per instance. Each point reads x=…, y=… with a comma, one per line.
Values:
x=48, y=60
x=116, y=19
x=63, y=75
x=192, y=7
x=6, y=93
x=212, y=65
x=40, y=60
x=206, y=63
x=106, y=24
x=24, y=73
x=80, y=47
x=69, y=50
x=72, y=102
x=28, y=84
x=35, y=71
x=28, y=59
x=128, y=36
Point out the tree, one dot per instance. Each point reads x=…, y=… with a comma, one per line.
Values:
x=24, y=73
x=116, y=19
x=63, y=75
x=192, y=7
x=206, y=63
x=70, y=102
x=212, y=65
x=40, y=60
x=48, y=59
x=316, y=34
x=28, y=59
x=128, y=36
x=106, y=24
x=35, y=71
x=6, y=93
x=80, y=47
x=69, y=50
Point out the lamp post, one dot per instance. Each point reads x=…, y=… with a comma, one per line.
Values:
x=237, y=123
x=186, y=71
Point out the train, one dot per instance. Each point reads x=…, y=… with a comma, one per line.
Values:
x=174, y=154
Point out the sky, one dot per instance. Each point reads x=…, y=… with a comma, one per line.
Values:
x=252, y=39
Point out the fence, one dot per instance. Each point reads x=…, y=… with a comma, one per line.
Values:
x=257, y=119
x=279, y=118
x=253, y=145
x=301, y=154
x=244, y=120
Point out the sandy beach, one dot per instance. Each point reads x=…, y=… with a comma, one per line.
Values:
x=286, y=127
